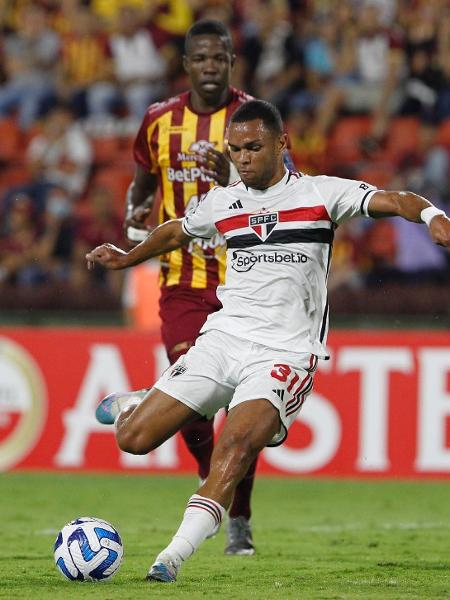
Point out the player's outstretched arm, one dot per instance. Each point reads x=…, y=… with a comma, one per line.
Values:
x=415, y=208
x=165, y=238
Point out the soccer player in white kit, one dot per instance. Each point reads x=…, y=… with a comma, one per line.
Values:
x=257, y=355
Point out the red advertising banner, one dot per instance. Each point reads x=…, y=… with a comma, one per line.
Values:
x=380, y=405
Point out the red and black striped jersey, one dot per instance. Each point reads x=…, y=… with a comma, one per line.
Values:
x=167, y=145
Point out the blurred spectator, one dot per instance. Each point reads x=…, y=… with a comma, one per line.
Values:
x=139, y=69
x=30, y=58
x=320, y=50
x=417, y=260
x=428, y=165
x=86, y=70
x=307, y=149
x=101, y=223
x=345, y=268
x=18, y=260
x=61, y=154
x=170, y=19
x=380, y=248
x=425, y=73
x=402, y=252
x=370, y=80
x=109, y=10
x=36, y=249
x=55, y=244
x=270, y=62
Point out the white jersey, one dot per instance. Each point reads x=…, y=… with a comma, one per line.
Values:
x=279, y=244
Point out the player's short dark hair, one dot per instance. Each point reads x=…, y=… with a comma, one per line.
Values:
x=260, y=109
x=208, y=27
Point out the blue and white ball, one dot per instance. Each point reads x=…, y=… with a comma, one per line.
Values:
x=88, y=549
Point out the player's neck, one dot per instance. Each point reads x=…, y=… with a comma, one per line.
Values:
x=277, y=177
x=201, y=105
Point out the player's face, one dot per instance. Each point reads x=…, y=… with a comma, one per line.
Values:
x=257, y=153
x=208, y=62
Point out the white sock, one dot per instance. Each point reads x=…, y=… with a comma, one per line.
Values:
x=201, y=516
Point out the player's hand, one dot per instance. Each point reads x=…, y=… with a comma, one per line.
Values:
x=135, y=219
x=107, y=256
x=440, y=230
x=216, y=165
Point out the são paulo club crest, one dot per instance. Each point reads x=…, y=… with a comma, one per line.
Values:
x=263, y=224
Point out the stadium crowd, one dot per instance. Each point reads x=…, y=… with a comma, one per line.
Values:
x=363, y=86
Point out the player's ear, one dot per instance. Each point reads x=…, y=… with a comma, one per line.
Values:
x=233, y=60
x=283, y=142
x=226, y=148
x=185, y=63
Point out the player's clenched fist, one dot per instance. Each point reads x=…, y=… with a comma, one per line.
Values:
x=106, y=255
x=440, y=230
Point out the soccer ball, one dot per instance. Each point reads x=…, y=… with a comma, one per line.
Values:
x=88, y=549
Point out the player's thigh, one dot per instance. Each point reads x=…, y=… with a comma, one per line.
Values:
x=284, y=379
x=199, y=377
x=153, y=421
x=248, y=428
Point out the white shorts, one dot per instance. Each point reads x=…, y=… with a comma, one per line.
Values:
x=222, y=370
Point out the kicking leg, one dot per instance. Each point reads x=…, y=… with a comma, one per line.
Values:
x=198, y=435
x=143, y=427
x=110, y=407
x=248, y=429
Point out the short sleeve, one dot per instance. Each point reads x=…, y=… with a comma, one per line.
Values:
x=344, y=198
x=199, y=222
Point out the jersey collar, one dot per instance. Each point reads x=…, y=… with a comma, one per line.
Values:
x=273, y=189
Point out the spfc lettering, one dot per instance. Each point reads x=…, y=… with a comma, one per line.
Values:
x=263, y=224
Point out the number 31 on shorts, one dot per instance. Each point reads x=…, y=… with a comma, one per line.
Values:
x=291, y=378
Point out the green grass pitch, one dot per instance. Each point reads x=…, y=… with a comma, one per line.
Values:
x=316, y=539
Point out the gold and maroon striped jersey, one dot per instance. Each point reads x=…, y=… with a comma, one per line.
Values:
x=167, y=145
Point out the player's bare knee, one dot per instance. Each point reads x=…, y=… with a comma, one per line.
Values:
x=133, y=441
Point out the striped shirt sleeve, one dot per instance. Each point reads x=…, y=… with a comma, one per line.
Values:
x=344, y=198
x=199, y=223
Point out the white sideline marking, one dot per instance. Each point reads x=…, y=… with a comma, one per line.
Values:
x=380, y=526
x=50, y=531
x=319, y=528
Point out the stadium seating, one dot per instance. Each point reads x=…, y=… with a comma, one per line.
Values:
x=105, y=149
x=116, y=178
x=443, y=134
x=344, y=144
x=403, y=138
x=377, y=173
x=11, y=140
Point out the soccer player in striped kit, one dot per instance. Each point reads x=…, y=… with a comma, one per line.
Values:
x=257, y=354
x=179, y=151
